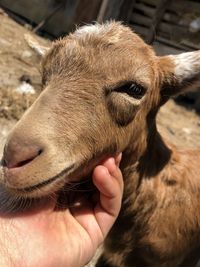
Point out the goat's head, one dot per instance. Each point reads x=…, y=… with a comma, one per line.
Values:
x=100, y=85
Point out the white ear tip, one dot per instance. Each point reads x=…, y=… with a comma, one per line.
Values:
x=34, y=44
x=187, y=64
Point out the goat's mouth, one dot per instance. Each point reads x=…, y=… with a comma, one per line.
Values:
x=75, y=173
x=45, y=183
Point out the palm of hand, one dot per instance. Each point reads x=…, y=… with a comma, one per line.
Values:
x=50, y=237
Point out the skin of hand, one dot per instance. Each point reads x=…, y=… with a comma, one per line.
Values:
x=49, y=237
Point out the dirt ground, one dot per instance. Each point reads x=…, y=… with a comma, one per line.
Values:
x=19, y=69
x=20, y=80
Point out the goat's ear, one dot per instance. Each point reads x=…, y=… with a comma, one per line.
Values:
x=36, y=46
x=179, y=73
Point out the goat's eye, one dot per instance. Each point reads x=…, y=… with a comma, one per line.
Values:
x=132, y=89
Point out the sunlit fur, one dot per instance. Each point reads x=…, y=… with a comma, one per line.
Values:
x=81, y=118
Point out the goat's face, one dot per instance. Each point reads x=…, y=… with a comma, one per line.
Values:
x=100, y=84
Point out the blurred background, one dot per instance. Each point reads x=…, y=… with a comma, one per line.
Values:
x=173, y=23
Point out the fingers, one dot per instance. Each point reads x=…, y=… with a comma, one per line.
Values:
x=112, y=165
x=108, y=180
x=118, y=159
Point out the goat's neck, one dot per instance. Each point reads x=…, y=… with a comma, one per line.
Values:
x=155, y=157
x=155, y=154
x=136, y=210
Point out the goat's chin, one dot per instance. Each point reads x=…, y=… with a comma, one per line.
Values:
x=69, y=179
x=34, y=192
x=13, y=203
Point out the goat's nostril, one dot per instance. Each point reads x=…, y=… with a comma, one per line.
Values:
x=3, y=162
x=15, y=158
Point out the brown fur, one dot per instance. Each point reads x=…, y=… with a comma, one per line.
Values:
x=82, y=117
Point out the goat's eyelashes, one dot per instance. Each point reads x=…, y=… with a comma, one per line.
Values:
x=132, y=89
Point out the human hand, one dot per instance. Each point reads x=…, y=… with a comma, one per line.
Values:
x=48, y=237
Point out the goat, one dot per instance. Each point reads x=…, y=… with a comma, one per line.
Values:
x=103, y=87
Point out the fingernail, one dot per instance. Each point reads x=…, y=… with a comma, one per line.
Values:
x=118, y=159
x=112, y=160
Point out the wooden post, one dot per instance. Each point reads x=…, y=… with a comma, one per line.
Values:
x=102, y=10
x=109, y=9
x=87, y=11
x=160, y=10
x=126, y=10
